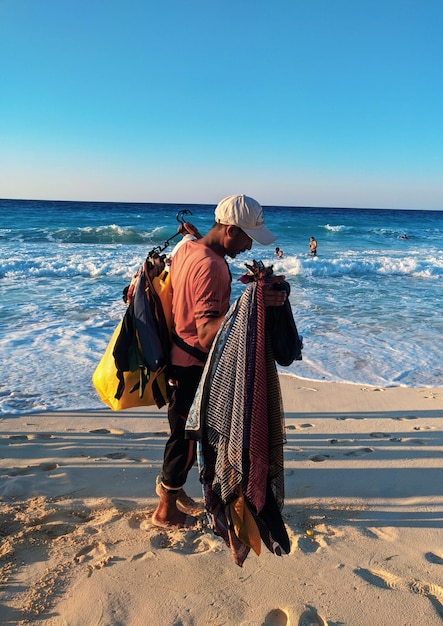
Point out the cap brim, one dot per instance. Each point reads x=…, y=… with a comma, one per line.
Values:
x=261, y=235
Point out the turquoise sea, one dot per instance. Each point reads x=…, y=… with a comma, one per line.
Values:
x=369, y=306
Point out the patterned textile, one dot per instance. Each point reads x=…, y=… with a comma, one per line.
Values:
x=237, y=414
x=256, y=389
x=223, y=398
x=194, y=424
x=276, y=425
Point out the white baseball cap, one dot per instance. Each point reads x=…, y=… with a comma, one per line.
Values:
x=247, y=214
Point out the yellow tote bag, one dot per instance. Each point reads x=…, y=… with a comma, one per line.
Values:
x=162, y=286
x=106, y=382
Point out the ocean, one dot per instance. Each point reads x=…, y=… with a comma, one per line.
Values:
x=369, y=305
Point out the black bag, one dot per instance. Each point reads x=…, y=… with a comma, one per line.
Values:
x=285, y=340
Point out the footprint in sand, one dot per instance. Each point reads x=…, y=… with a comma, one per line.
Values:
x=381, y=579
x=311, y=617
x=276, y=617
x=122, y=455
x=95, y=556
x=343, y=418
x=387, y=580
x=161, y=541
x=195, y=542
x=18, y=471
x=434, y=593
x=418, y=442
x=30, y=437
x=100, y=516
x=186, y=540
x=405, y=417
x=387, y=533
x=142, y=556
x=316, y=536
x=106, y=431
x=24, y=471
x=91, y=551
x=47, y=467
x=359, y=452
x=432, y=396
x=139, y=520
x=318, y=458
x=434, y=557
x=426, y=589
x=299, y=426
x=308, y=545
x=342, y=442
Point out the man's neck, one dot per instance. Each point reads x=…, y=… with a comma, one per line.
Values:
x=214, y=240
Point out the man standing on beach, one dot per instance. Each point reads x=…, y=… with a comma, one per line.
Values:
x=201, y=282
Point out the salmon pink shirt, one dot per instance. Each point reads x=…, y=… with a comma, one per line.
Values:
x=201, y=284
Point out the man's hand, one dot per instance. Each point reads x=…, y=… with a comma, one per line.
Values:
x=273, y=297
x=189, y=229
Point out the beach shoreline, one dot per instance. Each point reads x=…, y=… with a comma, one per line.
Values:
x=363, y=508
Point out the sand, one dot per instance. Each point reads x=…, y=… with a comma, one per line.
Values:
x=363, y=508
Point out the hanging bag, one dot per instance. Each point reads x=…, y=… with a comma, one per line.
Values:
x=131, y=372
x=106, y=382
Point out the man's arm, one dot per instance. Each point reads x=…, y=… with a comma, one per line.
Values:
x=207, y=331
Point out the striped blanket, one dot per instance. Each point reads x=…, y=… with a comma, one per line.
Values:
x=237, y=416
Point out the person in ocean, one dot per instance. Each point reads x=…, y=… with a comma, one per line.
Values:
x=201, y=282
x=278, y=253
x=313, y=246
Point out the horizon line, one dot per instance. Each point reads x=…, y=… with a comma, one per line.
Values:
x=212, y=204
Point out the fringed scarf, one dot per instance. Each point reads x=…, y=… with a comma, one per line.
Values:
x=237, y=415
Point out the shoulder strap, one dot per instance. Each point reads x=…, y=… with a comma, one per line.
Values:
x=195, y=352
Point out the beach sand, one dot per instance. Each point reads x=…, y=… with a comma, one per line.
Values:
x=363, y=508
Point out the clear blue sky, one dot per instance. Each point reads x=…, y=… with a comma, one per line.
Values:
x=295, y=102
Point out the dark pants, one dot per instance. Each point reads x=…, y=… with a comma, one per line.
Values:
x=180, y=453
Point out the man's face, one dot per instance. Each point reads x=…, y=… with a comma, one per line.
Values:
x=238, y=242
